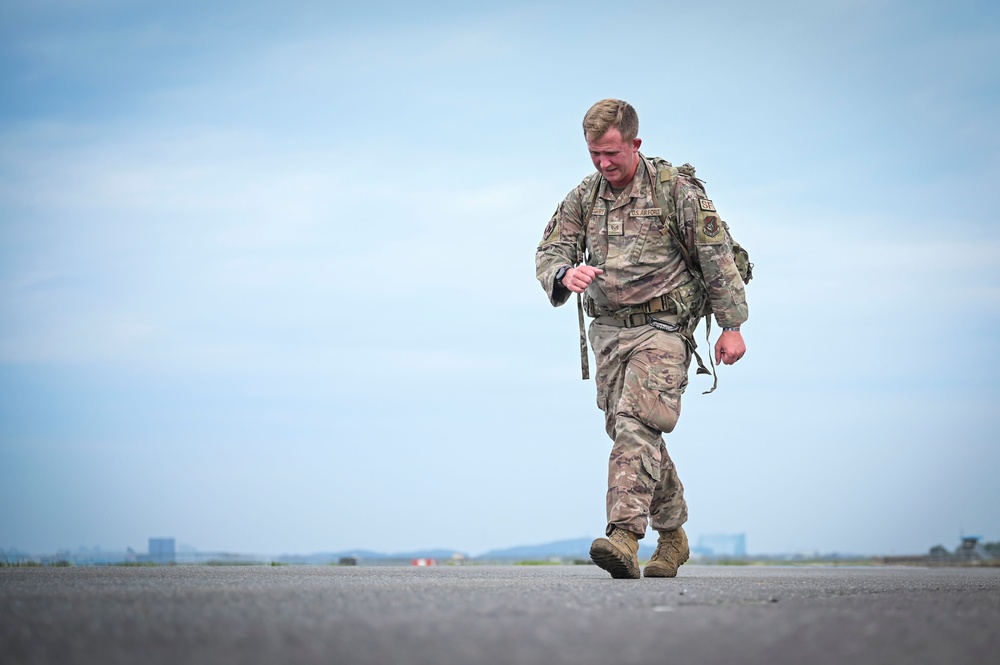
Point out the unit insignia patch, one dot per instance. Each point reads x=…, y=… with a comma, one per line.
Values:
x=549, y=229
x=711, y=226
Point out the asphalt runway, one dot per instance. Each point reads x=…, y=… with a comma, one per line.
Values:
x=493, y=615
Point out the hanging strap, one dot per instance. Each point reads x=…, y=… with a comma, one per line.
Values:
x=711, y=357
x=584, y=358
x=581, y=247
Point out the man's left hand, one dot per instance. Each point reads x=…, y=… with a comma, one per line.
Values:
x=730, y=347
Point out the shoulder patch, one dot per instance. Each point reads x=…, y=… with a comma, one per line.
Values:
x=549, y=230
x=711, y=226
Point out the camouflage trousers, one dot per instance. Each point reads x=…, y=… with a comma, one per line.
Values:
x=641, y=375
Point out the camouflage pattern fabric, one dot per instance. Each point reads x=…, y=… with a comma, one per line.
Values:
x=641, y=375
x=625, y=236
x=642, y=371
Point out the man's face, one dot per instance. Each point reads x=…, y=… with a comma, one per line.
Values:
x=614, y=158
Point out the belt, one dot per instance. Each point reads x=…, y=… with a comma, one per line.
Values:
x=641, y=317
x=630, y=321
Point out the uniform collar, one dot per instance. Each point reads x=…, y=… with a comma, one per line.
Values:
x=639, y=187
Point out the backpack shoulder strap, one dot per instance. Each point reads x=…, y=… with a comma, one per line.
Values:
x=665, y=184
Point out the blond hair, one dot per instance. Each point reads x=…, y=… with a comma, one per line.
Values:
x=611, y=114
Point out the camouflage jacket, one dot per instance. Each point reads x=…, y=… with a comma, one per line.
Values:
x=626, y=238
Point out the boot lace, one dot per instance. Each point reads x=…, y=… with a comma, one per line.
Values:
x=665, y=548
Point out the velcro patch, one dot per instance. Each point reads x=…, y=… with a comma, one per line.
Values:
x=709, y=230
x=707, y=205
x=645, y=212
x=616, y=228
x=598, y=211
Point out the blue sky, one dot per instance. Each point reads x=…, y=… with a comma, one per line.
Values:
x=267, y=282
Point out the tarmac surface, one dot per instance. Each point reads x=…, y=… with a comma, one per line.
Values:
x=498, y=615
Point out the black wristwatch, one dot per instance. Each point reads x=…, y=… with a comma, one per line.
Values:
x=560, y=274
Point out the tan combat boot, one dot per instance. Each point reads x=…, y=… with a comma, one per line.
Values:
x=671, y=551
x=617, y=554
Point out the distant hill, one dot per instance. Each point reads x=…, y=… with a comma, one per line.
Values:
x=577, y=548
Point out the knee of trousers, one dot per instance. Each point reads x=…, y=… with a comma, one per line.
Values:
x=636, y=457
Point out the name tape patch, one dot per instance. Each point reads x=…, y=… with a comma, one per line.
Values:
x=645, y=212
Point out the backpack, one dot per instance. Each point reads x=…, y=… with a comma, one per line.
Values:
x=665, y=186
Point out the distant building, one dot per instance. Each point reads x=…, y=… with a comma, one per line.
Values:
x=972, y=550
x=732, y=545
x=162, y=550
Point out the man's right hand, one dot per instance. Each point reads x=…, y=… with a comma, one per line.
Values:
x=578, y=279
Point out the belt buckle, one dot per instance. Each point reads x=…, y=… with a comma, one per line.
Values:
x=631, y=321
x=656, y=305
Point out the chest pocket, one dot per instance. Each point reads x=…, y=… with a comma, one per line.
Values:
x=651, y=243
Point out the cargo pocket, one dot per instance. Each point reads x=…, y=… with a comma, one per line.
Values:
x=665, y=386
x=666, y=379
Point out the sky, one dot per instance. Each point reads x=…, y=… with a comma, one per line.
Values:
x=267, y=270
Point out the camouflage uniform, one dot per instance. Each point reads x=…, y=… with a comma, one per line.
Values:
x=642, y=370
